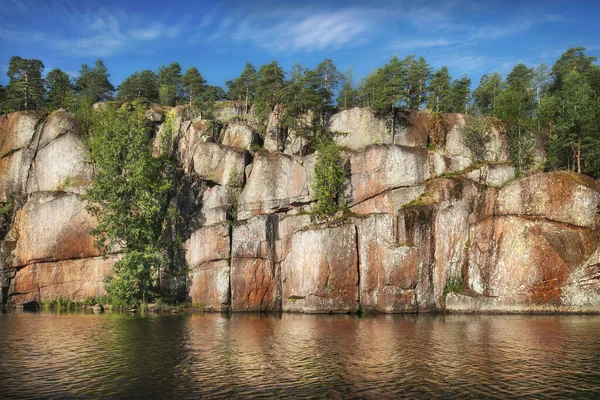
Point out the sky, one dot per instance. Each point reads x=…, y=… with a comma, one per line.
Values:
x=219, y=37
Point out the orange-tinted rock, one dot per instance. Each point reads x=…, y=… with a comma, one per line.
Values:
x=209, y=285
x=52, y=227
x=319, y=273
x=17, y=130
x=560, y=196
x=76, y=279
x=390, y=201
x=209, y=243
x=14, y=169
x=388, y=271
x=277, y=182
x=57, y=124
x=254, y=270
x=240, y=135
x=378, y=168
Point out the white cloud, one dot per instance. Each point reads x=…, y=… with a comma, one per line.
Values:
x=97, y=34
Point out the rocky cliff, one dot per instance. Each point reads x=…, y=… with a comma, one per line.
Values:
x=426, y=229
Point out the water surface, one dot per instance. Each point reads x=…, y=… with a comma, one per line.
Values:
x=298, y=356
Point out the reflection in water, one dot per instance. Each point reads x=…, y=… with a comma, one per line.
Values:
x=297, y=356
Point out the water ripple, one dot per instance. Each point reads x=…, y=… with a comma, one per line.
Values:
x=85, y=356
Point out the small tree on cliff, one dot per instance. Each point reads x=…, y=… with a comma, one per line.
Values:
x=25, y=90
x=60, y=90
x=130, y=197
x=329, y=176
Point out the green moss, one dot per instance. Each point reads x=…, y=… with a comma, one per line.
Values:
x=455, y=284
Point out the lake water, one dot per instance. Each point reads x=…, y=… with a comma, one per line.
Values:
x=298, y=356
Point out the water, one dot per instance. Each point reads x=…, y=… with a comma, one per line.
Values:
x=298, y=356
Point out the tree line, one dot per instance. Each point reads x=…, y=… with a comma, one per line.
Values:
x=560, y=103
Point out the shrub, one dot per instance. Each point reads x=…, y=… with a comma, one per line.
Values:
x=329, y=177
x=476, y=136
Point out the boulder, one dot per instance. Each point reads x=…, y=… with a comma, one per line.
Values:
x=390, y=201
x=319, y=273
x=209, y=243
x=240, y=135
x=358, y=127
x=57, y=124
x=53, y=227
x=14, y=170
x=443, y=164
x=277, y=183
x=219, y=164
x=412, y=128
x=388, y=270
x=228, y=110
x=378, y=168
x=560, y=196
x=209, y=285
x=77, y=279
x=64, y=164
x=526, y=264
x=255, y=274
x=494, y=175
x=17, y=130
x=189, y=135
x=217, y=201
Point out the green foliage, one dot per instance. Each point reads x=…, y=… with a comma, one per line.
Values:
x=140, y=85
x=192, y=84
x=60, y=90
x=458, y=97
x=348, y=94
x=476, y=135
x=521, y=144
x=486, y=95
x=269, y=90
x=244, y=86
x=130, y=197
x=329, y=178
x=93, y=83
x=455, y=284
x=25, y=91
x=439, y=91
x=169, y=81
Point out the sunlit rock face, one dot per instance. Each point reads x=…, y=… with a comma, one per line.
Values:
x=425, y=229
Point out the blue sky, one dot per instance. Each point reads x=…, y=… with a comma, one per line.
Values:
x=470, y=37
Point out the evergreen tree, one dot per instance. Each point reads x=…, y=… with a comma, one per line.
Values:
x=169, y=84
x=140, y=85
x=25, y=90
x=93, y=83
x=193, y=84
x=459, y=95
x=439, y=91
x=60, y=90
x=330, y=78
x=2, y=100
x=244, y=86
x=574, y=59
x=269, y=89
x=417, y=75
x=348, y=95
x=486, y=95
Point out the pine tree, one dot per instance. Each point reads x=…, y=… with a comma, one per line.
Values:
x=244, y=86
x=348, y=94
x=486, y=95
x=192, y=84
x=439, y=91
x=169, y=84
x=269, y=89
x=25, y=91
x=459, y=95
x=93, y=83
x=60, y=90
x=417, y=75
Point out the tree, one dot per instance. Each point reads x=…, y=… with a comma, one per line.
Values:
x=269, y=89
x=439, y=90
x=2, y=99
x=139, y=85
x=459, y=98
x=574, y=59
x=169, y=84
x=93, y=83
x=329, y=177
x=130, y=198
x=25, y=90
x=418, y=72
x=575, y=123
x=348, y=95
x=193, y=84
x=486, y=94
x=60, y=90
x=244, y=86
x=330, y=78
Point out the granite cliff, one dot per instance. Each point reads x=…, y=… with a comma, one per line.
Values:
x=426, y=229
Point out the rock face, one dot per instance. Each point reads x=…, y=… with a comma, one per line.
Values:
x=320, y=271
x=423, y=229
x=45, y=166
x=277, y=182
